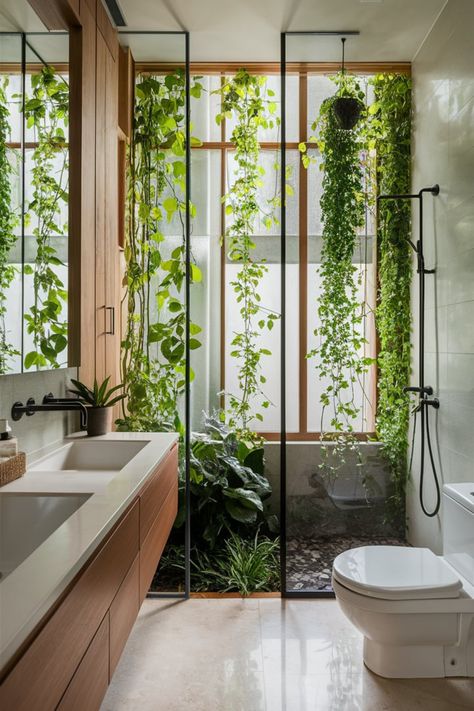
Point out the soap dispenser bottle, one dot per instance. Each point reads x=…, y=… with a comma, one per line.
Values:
x=8, y=443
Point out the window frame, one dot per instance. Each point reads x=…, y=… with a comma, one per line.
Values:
x=303, y=70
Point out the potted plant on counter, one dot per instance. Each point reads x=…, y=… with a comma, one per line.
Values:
x=99, y=402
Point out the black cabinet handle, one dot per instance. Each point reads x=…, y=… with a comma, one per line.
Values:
x=111, y=310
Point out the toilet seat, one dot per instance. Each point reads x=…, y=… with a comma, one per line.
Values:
x=396, y=573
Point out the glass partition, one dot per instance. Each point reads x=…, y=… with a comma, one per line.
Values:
x=156, y=330
x=337, y=485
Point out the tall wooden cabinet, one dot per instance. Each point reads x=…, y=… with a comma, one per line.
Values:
x=94, y=282
x=107, y=269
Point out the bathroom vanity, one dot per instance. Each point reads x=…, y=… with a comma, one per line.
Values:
x=94, y=515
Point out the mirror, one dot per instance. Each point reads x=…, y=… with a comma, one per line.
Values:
x=34, y=162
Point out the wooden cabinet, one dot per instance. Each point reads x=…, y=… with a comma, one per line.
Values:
x=75, y=650
x=123, y=613
x=41, y=676
x=154, y=543
x=89, y=684
x=156, y=490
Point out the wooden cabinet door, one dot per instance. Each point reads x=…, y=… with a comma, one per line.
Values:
x=41, y=676
x=89, y=684
x=123, y=613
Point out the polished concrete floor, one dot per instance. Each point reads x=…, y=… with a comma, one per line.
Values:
x=255, y=655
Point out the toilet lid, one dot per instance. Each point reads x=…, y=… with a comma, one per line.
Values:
x=396, y=573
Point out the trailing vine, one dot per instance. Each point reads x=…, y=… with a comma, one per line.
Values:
x=391, y=132
x=7, y=225
x=247, y=99
x=153, y=349
x=339, y=312
x=47, y=112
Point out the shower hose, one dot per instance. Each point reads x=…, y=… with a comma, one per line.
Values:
x=425, y=430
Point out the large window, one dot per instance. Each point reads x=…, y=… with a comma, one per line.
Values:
x=214, y=304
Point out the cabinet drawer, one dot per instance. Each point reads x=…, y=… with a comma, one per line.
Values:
x=89, y=683
x=42, y=674
x=152, y=547
x=123, y=613
x=156, y=490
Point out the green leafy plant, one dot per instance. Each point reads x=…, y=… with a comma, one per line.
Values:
x=390, y=131
x=242, y=565
x=339, y=362
x=246, y=99
x=153, y=348
x=228, y=486
x=47, y=112
x=8, y=221
x=99, y=395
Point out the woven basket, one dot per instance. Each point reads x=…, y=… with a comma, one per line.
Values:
x=13, y=468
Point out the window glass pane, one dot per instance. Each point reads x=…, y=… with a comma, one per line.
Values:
x=205, y=108
x=292, y=117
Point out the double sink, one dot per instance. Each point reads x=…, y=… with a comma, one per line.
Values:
x=28, y=518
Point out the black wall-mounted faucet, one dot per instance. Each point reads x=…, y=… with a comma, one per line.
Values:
x=50, y=404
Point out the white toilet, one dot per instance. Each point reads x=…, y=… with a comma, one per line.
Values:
x=414, y=608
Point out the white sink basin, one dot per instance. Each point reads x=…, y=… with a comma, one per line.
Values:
x=92, y=455
x=27, y=520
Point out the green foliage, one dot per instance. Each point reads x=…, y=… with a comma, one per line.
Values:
x=153, y=349
x=7, y=224
x=339, y=313
x=228, y=486
x=46, y=110
x=243, y=566
x=100, y=395
x=246, y=99
x=391, y=132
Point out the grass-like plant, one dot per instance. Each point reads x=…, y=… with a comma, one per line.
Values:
x=241, y=565
x=99, y=395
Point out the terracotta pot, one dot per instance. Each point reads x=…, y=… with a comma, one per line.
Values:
x=99, y=421
x=347, y=111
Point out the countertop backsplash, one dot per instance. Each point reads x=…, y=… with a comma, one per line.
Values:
x=42, y=429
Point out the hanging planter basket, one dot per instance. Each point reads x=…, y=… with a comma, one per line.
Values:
x=347, y=110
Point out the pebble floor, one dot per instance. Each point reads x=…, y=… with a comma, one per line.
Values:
x=309, y=560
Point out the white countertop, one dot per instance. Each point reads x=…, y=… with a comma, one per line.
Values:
x=29, y=591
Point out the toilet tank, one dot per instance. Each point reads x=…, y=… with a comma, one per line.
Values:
x=458, y=528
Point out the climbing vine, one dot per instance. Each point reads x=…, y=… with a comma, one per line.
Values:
x=339, y=312
x=153, y=349
x=7, y=225
x=246, y=99
x=391, y=131
x=47, y=112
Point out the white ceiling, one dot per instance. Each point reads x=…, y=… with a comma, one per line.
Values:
x=238, y=30
x=249, y=30
x=17, y=15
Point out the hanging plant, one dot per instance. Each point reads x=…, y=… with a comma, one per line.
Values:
x=153, y=349
x=47, y=111
x=246, y=99
x=7, y=225
x=339, y=313
x=391, y=133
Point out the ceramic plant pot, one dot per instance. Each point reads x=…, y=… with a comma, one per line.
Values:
x=99, y=421
x=347, y=111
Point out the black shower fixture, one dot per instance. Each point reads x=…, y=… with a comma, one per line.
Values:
x=424, y=392
x=347, y=109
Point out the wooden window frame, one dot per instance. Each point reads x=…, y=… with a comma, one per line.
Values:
x=302, y=70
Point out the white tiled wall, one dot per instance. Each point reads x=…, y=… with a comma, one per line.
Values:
x=45, y=427
x=443, y=74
